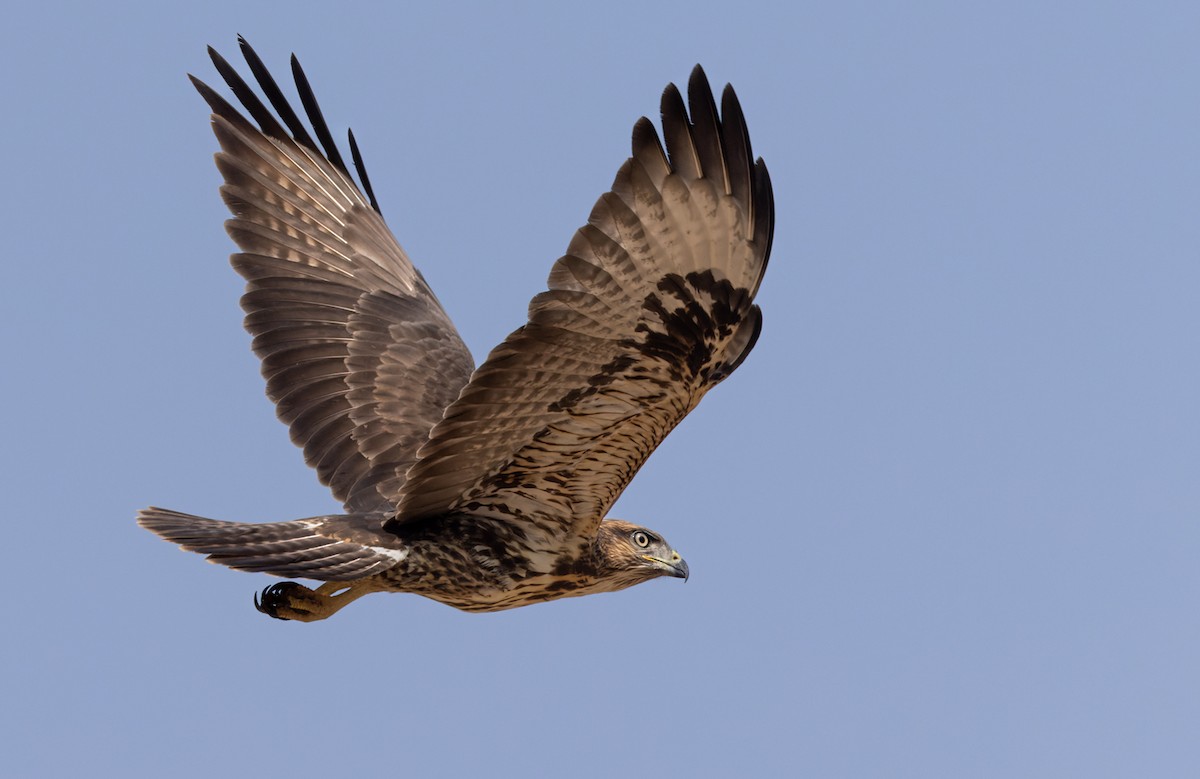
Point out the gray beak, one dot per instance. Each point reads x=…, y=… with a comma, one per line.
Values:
x=671, y=566
x=678, y=567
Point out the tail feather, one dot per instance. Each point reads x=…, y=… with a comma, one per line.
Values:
x=317, y=548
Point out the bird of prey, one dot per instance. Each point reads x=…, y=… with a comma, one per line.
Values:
x=482, y=488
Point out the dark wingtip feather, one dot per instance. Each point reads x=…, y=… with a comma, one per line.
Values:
x=215, y=102
x=677, y=133
x=309, y=100
x=764, y=198
x=221, y=107
x=245, y=95
x=644, y=134
x=267, y=122
x=648, y=150
x=738, y=156
x=706, y=129
x=362, y=170
x=275, y=95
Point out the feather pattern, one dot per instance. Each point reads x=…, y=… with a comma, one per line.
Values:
x=336, y=548
x=650, y=308
x=359, y=356
x=484, y=489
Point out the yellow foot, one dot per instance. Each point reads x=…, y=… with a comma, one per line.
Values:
x=289, y=600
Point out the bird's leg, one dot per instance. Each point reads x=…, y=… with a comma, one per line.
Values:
x=289, y=600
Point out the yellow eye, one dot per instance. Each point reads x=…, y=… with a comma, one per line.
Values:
x=641, y=539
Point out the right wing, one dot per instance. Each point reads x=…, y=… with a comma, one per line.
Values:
x=652, y=306
x=359, y=356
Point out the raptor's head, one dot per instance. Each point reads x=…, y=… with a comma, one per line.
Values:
x=629, y=555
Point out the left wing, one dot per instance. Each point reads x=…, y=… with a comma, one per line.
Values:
x=650, y=308
x=359, y=357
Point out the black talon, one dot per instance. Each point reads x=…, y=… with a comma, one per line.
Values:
x=275, y=596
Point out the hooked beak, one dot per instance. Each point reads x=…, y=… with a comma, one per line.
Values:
x=675, y=566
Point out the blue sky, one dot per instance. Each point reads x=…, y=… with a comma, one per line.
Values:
x=945, y=521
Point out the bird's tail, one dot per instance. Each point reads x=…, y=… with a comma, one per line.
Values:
x=332, y=548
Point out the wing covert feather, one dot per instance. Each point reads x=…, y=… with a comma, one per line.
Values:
x=651, y=307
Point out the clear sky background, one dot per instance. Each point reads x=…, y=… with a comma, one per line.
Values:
x=945, y=521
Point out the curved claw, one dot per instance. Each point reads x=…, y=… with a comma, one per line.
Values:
x=277, y=596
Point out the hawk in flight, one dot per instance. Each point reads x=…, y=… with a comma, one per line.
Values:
x=482, y=488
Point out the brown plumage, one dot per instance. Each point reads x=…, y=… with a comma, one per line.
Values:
x=483, y=489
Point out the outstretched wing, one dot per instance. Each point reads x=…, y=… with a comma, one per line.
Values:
x=359, y=357
x=650, y=308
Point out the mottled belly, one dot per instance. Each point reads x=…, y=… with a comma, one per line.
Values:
x=484, y=597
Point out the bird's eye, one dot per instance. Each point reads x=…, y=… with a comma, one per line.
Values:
x=641, y=539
